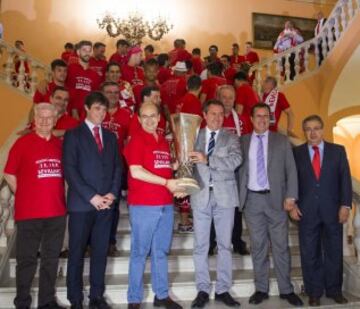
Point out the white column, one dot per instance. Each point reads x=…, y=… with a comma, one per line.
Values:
x=287, y=67
x=297, y=63
x=306, y=59
x=21, y=75
x=34, y=79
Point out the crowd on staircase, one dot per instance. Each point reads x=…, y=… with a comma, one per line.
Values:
x=105, y=127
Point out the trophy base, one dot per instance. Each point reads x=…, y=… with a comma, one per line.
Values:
x=189, y=184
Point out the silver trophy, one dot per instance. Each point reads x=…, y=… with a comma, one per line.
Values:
x=185, y=128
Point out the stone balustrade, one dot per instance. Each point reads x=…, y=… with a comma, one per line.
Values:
x=20, y=70
x=297, y=62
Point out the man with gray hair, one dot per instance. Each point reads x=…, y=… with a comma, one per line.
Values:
x=34, y=173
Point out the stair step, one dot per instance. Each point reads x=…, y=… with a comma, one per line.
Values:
x=179, y=260
x=186, y=241
x=182, y=287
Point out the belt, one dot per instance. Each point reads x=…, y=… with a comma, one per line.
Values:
x=260, y=192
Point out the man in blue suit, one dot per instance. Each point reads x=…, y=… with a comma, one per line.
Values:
x=325, y=197
x=92, y=170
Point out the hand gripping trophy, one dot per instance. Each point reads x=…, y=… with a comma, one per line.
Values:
x=185, y=128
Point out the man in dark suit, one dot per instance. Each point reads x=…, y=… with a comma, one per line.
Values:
x=92, y=169
x=267, y=183
x=325, y=197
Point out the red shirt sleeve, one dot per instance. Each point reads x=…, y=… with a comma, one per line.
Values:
x=14, y=159
x=132, y=152
x=283, y=103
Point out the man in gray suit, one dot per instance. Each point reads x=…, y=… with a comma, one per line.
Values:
x=217, y=154
x=267, y=186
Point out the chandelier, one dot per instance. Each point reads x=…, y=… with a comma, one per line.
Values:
x=134, y=27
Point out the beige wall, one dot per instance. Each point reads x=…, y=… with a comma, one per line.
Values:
x=45, y=25
x=14, y=109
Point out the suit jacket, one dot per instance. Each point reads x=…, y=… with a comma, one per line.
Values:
x=225, y=158
x=281, y=170
x=87, y=171
x=334, y=189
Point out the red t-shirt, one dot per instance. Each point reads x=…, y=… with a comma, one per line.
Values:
x=189, y=103
x=133, y=75
x=137, y=93
x=80, y=82
x=40, y=98
x=66, y=122
x=172, y=91
x=118, y=123
x=237, y=59
x=244, y=124
x=36, y=163
x=282, y=104
x=154, y=156
x=66, y=55
x=229, y=74
x=73, y=58
x=198, y=65
x=99, y=66
x=210, y=85
x=163, y=74
x=247, y=97
x=178, y=54
x=252, y=57
x=120, y=59
x=135, y=126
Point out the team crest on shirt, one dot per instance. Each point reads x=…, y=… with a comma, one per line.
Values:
x=161, y=159
x=49, y=168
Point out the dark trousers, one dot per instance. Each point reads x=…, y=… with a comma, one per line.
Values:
x=321, y=248
x=82, y=225
x=46, y=235
x=237, y=242
x=114, y=222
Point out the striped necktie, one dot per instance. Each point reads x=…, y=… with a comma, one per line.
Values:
x=261, y=176
x=211, y=145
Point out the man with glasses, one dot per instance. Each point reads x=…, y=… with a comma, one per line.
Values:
x=325, y=197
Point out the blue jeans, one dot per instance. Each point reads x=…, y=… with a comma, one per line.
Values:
x=151, y=231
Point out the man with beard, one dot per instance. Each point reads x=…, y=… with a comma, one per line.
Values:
x=81, y=80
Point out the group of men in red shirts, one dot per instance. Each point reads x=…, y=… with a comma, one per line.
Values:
x=175, y=82
x=181, y=81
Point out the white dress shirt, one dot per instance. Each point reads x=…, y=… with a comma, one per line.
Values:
x=92, y=126
x=254, y=141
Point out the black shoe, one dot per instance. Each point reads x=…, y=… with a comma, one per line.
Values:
x=99, y=303
x=314, y=301
x=76, y=306
x=134, y=306
x=167, y=303
x=51, y=305
x=338, y=298
x=292, y=299
x=200, y=301
x=227, y=299
x=258, y=297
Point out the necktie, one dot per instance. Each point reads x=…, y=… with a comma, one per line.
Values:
x=316, y=162
x=261, y=177
x=211, y=145
x=97, y=138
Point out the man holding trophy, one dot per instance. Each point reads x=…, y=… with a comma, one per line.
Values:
x=150, y=199
x=217, y=154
